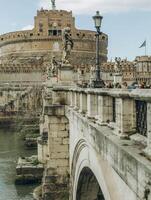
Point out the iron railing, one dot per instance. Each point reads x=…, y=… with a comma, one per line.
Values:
x=141, y=117
x=114, y=109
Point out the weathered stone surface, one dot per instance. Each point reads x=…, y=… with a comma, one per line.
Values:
x=122, y=158
x=55, y=183
x=117, y=166
x=28, y=170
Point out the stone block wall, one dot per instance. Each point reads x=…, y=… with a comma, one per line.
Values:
x=56, y=177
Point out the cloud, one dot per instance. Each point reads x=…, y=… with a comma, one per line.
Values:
x=14, y=24
x=28, y=27
x=105, y=6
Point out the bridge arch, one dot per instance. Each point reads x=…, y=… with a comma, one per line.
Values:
x=88, y=187
x=86, y=162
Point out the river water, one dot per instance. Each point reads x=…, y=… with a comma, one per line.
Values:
x=11, y=146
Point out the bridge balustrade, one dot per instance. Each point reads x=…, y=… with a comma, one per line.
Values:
x=126, y=112
x=105, y=109
x=83, y=102
x=76, y=100
x=92, y=105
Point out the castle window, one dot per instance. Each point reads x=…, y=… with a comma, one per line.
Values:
x=54, y=32
x=2, y=38
x=50, y=32
x=31, y=34
x=40, y=27
x=59, y=32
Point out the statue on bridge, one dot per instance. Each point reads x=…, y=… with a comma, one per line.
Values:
x=53, y=4
x=52, y=69
x=67, y=45
x=54, y=66
x=117, y=67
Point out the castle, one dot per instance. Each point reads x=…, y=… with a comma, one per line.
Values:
x=25, y=55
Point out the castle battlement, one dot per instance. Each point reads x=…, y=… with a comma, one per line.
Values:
x=11, y=68
x=59, y=13
x=17, y=36
x=143, y=59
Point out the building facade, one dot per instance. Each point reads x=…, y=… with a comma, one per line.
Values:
x=137, y=71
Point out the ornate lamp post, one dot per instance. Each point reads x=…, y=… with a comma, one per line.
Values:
x=97, y=82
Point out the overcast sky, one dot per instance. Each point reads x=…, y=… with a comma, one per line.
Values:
x=127, y=22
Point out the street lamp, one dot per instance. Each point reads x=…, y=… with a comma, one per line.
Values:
x=97, y=82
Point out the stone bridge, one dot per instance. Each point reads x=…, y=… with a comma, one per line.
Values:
x=19, y=103
x=95, y=143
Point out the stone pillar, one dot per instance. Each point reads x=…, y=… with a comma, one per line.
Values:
x=58, y=97
x=42, y=148
x=77, y=100
x=56, y=179
x=72, y=98
x=92, y=105
x=66, y=75
x=43, y=139
x=105, y=109
x=83, y=102
x=125, y=117
x=68, y=97
x=147, y=151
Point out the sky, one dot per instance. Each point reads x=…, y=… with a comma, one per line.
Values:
x=127, y=22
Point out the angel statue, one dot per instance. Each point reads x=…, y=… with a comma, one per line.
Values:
x=48, y=72
x=67, y=44
x=52, y=69
x=54, y=66
x=53, y=4
x=117, y=64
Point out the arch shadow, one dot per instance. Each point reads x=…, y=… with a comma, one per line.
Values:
x=88, y=187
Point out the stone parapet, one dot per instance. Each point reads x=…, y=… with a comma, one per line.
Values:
x=116, y=108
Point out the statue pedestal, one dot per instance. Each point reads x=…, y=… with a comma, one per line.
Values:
x=52, y=80
x=117, y=78
x=65, y=75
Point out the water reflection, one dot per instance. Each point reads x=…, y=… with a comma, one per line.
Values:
x=11, y=146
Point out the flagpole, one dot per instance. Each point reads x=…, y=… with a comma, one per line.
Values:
x=144, y=45
x=146, y=48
